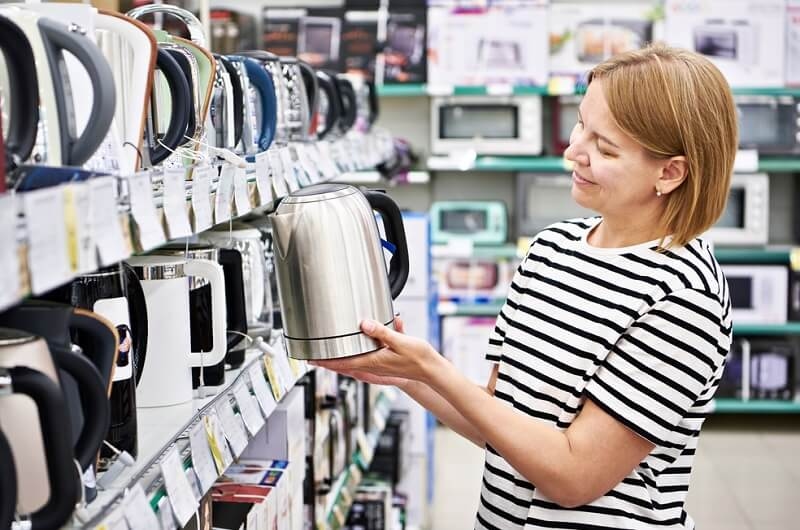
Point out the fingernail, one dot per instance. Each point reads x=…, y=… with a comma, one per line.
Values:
x=369, y=325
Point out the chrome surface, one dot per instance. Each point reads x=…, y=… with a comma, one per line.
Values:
x=14, y=337
x=330, y=269
x=193, y=24
x=195, y=251
x=332, y=348
x=297, y=116
x=157, y=267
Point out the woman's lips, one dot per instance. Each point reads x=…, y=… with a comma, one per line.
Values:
x=577, y=179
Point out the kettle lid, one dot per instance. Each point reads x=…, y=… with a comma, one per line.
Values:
x=15, y=337
x=319, y=192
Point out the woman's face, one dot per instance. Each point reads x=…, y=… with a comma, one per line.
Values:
x=613, y=175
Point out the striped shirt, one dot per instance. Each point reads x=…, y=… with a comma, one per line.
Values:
x=643, y=334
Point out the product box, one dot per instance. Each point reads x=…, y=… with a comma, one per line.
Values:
x=359, y=42
x=585, y=34
x=793, y=42
x=464, y=342
x=473, y=280
x=496, y=43
x=406, y=52
x=745, y=39
x=260, y=484
x=312, y=34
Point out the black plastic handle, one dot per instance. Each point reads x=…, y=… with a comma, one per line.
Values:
x=374, y=106
x=327, y=85
x=180, y=93
x=8, y=483
x=349, y=103
x=312, y=87
x=238, y=97
x=186, y=68
x=20, y=133
x=59, y=38
x=231, y=261
x=395, y=234
x=54, y=426
x=137, y=310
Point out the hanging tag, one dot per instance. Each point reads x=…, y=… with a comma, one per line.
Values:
x=329, y=168
x=202, y=460
x=284, y=370
x=240, y=195
x=143, y=209
x=166, y=516
x=77, y=216
x=234, y=427
x=137, y=510
x=248, y=408
x=175, y=203
x=261, y=389
x=363, y=444
x=112, y=246
x=9, y=259
x=276, y=172
x=263, y=180
x=216, y=440
x=222, y=207
x=288, y=168
x=114, y=522
x=274, y=378
x=191, y=478
x=304, y=155
x=178, y=488
x=48, y=260
x=201, y=198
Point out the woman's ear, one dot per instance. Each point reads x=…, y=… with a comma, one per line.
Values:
x=673, y=173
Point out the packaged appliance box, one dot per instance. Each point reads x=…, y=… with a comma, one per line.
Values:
x=793, y=42
x=359, y=42
x=745, y=39
x=311, y=34
x=406, y=53
x=497, y=43
x=585, y=34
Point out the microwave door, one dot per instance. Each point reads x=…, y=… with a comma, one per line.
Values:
x=769, y=124
x=544, y=200
x=745, y=220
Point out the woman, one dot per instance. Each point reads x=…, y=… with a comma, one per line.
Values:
x=613, y=338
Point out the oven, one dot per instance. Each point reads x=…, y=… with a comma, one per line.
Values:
x=759, y=293
x=543, y=200
x=769, y=124
x=481, y=222
x=745, y=220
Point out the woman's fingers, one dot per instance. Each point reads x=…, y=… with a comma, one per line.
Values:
x=399, y=325
x=378, y=331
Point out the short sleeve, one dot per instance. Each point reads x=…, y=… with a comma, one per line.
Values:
x=498, y=334
x=662, y=364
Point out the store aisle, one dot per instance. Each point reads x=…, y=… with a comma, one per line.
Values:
x=746, y=476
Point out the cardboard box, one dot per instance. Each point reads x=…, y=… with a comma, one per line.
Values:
x=360, y=42
x=745, y=39
x=313, y=35
x=793, y=42
x=406, y=50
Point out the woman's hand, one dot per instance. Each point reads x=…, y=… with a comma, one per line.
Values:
x=402, y=358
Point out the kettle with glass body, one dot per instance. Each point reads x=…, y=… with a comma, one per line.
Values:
x=331, y=270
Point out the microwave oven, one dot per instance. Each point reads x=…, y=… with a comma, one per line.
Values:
x=728, y=40
x=760, y=369
x=597, y=39
x=745, y=220
x=759, y=293
x=318, y=39
x=769, y=124
x=564, y=116
x=543, y=200
x=481, y=222
x=488, y=125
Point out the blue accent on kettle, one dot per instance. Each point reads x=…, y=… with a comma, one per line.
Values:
x=388, y=246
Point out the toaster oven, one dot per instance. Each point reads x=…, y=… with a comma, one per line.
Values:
x=745, y=220
x=543, y=200
x=481, y=222
x=759, y=293
x=729, y=40
x=769, y=124
x=488, y=125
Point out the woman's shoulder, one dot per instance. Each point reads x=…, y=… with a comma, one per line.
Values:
x=693, y=266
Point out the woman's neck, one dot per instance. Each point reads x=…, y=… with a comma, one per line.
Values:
x=610, y=233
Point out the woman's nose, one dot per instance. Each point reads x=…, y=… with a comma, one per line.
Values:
x=575, y=153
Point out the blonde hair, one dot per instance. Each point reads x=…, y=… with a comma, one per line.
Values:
x=675, y=102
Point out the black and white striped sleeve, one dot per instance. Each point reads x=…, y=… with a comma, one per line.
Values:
x=657, y=370
x=498, y=334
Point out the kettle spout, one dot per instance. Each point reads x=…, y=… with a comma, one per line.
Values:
x=283, y=226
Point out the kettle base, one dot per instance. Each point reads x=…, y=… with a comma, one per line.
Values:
x=332, y=347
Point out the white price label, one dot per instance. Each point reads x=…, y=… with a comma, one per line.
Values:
x=276, y=170
x=175, y=203
x=234, y=427
x=261, y=389
x=363, y=444
x=248, y=408
x=307, y=163
x=82, y=249
x=201, y=198
x=166, y=516
x=48, y=259
x=285, y=369
x=240, y=195
x=327, y=164
x=9, y=260
x=143, y=209
x=263, y=179
x=106, y=228
x=222, y=208
x=288, y=166
x=179, y=490
x=138, y=513
x=216, y=440
x=202, y=460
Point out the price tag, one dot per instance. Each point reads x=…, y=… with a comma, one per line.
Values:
x=78, y=219
x=304, y=156
x=240, y=195
x=216, y=441
x=202, y=460
x=113, y=522
x=363, y=444
x=179, y=490
x=166, y=517
x=191, y=477
x=284, y=370
x=143, y=209
x=325, y=160
x=48, y=260
x=379, y=419
x=274, y=378
x=263, y=179
x=201, y=198
x=137, y=510
x=234, y=427
x=222, y=208
x=248, y=408
x=288, y=168
x=175, y=203
x=261, y=389
x=276, y=171
x=746, y=161
x=9, y=259
x=112, y=246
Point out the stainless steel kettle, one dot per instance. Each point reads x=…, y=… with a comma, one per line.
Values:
x=331, y=271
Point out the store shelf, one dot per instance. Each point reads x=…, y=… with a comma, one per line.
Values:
x=767, y=255
x=755, y=406
x=779, y=164
x=489, y=308
x=456, y=250
x=790, y=328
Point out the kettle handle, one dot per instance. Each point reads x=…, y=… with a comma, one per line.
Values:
x=192, y=23
x=395, y=234
x=181, y=108
x=374, y=105
x=312, y=88
x=24, y=99
x=347, y=96
x=238, y=98
x=327, y=84
x=212, y=272
x=8, y=483
x=262, y=81
x=53, y=424
x=231, y=261
x=137, y=309
x=77, y=150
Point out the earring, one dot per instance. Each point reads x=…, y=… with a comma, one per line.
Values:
x=658, y=192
